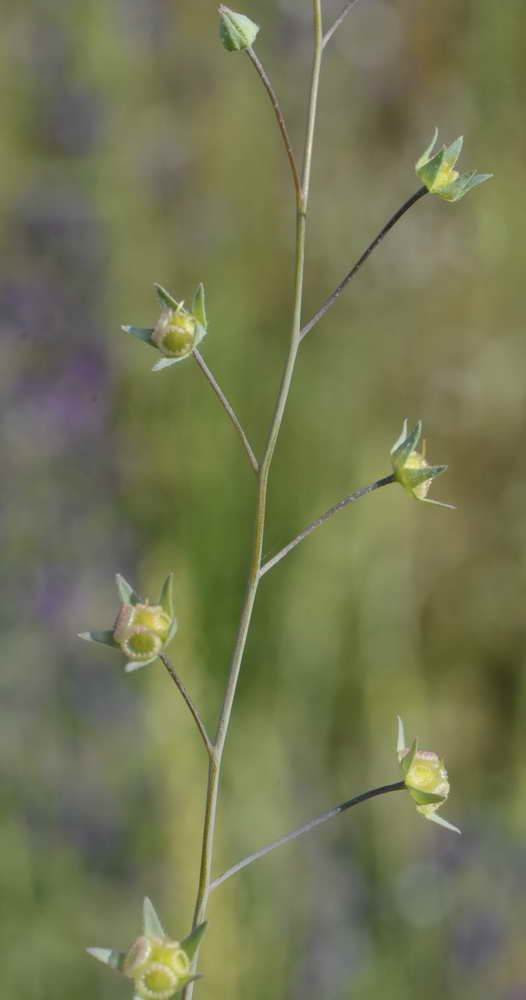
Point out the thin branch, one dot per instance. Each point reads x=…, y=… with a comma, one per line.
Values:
x=321, y=520
x=396, y=787
x=361, y=260
x=334, y=27
x=279, y=118
x=227, y=407
x=186, y=697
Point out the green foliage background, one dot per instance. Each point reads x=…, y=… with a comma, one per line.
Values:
x=134, y=150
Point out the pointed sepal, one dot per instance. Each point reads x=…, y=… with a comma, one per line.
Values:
x=236, y=31
x=199, y=307
x=126, y=591
x=152, y=926
x=108, y=957
x=165, y=298
x=103, y=635
x=440, y=821
x=191, y=943
x=141, y=333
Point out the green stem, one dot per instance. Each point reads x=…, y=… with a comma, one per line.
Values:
x=214, y=773
x=306, y=828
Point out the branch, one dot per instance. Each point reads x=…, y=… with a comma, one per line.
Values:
x=361, y=260
x=398, y=786
x=321, y=520
x=346, y=10
x=227, y=407
x=279, y=118
x=186, y=697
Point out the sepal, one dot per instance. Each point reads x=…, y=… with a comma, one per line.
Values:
x=192, y=942
x=108, y=957
x=103, y=635
x=151, y=922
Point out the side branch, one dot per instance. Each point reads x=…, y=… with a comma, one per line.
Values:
x=279, y=118
x=187, y=699
x=227, y=407
x=361, y=260
x=334, y=27
x=321, y=520
x=397, y=786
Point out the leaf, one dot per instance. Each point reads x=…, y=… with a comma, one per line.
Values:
x=424, y=798
x=165, y=297
x=105, y=636
x=192, y=942
x=152, y=925
x=142, y=333
x=107, y=956
x=198, y=306
x=126, y=591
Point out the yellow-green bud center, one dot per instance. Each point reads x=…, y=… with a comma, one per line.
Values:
x=159, y=982
x=175, y=332
x=141, y=643
x=445, y=175
x=427, y=774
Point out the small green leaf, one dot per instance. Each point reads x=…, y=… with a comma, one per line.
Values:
x=192, y=942
x=107, y=956
x=126, y=591
x=198, y=306
x=165, y=298
x=104, y=635
x=152, y=925
x=166, y=598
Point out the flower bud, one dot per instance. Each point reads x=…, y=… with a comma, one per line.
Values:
x=425, y=778
x=437, y=171
x=158, y=966
x=410, y=467
x=141, y=630
x=175, y=332
x=236, y=31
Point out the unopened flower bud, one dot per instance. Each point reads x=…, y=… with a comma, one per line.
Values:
x=236, y=31
x=438, y=172
x=410, y=467
x=175, y=332
x=141, y=630
x=425, y=778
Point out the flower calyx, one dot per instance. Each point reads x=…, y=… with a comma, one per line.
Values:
x=410, y=467
x=142, y=630
x=437, y=171
x=236, y=31
x=425, y=778
x=178, y=331
x=158, y=965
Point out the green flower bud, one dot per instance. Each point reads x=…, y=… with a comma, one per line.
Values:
x=410, y=467
x=158, y=965
x=175, y=332
x=425, y=778
x=141, y=630
x=236, y=31
x=437, y=171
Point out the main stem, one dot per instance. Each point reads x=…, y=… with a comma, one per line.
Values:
x=214, y=770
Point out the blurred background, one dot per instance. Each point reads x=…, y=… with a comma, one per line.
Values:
x=134, y=149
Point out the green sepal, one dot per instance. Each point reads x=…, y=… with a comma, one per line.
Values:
x=452, y=153
x=457, y=189
x=405, y=444
x=236, y=31
x=165, y=298
x=414, y=477
x=424, y=798
x=142, y=333
x=137, y=664
x=152, y=926
x=426, y=155
x=168, y=362
x=192, y=942
x=440, y=821
x=108, y=957
x=166, y=596
x=198, y=306
x=437, y=503
x=400, y=737
x=409, y=757
x=126, y=591
x=103, y=635
x=428, y=171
